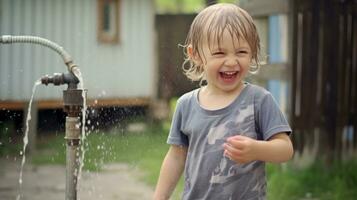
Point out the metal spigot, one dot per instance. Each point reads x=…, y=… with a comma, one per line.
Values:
x=61, y=79
x=72, y=97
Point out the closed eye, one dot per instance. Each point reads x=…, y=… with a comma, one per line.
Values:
x=218, y=53
x=242, y=52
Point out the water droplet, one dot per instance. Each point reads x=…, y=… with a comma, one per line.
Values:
x=21, y=153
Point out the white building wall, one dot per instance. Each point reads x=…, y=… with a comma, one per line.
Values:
x=122, y=70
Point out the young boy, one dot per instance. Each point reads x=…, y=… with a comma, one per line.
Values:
x=223, y=133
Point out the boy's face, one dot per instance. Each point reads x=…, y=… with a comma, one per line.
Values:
x=225, y=64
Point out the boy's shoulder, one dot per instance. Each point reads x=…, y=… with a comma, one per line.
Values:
x=258, y=91
x=188, y=96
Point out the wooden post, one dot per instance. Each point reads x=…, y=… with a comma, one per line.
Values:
x=32, y=134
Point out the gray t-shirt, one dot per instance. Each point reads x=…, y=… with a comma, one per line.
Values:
x=208, y=173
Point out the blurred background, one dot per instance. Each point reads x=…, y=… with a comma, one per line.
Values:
x=130, y=57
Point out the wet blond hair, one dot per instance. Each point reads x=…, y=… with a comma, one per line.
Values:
x=209, y=24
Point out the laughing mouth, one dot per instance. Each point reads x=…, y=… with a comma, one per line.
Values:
x=228, y=74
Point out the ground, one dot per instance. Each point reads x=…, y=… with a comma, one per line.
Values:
x=115, y=181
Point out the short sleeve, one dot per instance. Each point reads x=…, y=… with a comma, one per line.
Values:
x=270, y=118
x=176, y=136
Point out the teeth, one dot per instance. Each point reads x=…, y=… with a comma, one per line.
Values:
x=229, y=73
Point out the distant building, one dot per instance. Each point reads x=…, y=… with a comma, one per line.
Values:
x=111, y=41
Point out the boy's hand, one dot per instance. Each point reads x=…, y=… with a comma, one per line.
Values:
x=240, y=149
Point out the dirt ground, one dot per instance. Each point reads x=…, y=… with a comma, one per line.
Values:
x=115, y=181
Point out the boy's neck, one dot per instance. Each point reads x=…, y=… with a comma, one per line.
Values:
x=212, y=99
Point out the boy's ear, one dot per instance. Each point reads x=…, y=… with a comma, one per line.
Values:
x=193, y=55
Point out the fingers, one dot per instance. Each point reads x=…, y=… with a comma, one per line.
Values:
x=237, y=142
x=236, y=156
x=238, y=148
x=237, y=137
x=231, y=150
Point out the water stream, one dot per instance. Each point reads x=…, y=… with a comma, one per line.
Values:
x=25, y=139
x=78, y=74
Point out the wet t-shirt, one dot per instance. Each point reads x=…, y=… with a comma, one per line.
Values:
x=208, y=173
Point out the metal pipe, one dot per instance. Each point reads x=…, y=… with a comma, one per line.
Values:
x=73, y=100
x=9, y=39
x=72, y=156
x=73, y=104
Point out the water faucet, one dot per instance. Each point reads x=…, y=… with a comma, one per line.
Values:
x=61, y=79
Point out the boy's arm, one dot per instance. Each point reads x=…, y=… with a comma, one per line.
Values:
x=243, y=149
x=171, y=170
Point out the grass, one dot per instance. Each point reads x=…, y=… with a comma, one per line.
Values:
x=9, y=140
x=147, y=149
x=335, y=182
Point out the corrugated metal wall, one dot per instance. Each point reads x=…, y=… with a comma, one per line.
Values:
x=122, y=70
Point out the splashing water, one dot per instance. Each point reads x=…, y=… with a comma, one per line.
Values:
x=25, y=139
x=78, y=74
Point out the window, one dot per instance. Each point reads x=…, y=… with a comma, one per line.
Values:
x=108, y=21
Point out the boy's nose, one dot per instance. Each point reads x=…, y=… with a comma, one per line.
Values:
x=231, y=61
